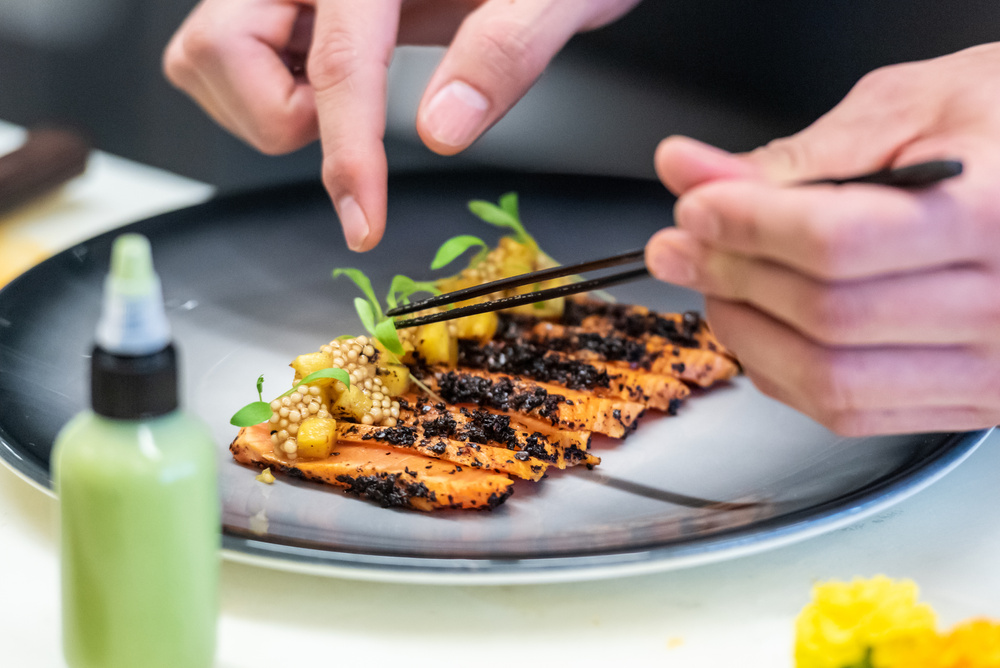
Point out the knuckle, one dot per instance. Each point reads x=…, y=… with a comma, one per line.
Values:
x=888, y=84
x=179, y=61
x=834, y=315
x=199, y=43
x=341, y=168
x=831, y=382
x=831, y=241
x=508, y=51
x=789, y=154
x=333, y=60
x=851, y=424
x=174, y=65
x=278, y=139
x=986, y=385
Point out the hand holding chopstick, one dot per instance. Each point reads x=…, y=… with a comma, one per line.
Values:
x=912, y=176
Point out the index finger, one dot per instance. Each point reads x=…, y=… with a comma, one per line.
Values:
x=347, y=67
x=831, y=232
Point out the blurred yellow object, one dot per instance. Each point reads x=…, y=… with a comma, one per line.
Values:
x=972, y=644
x=17, y=255
x=879, y=623
x=861, y=623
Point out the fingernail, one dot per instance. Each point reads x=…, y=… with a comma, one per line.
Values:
x=697, y=219
x=352, y=219
x=668, y=259
x=455, y=114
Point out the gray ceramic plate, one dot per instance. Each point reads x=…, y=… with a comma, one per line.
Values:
x=247, y=280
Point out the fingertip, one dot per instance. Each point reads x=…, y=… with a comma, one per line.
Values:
x=452, y=118
x=670, y=256
x=683, y=163
x=353, y=222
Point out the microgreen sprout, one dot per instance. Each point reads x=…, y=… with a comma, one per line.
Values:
x=503, y=214
x=403, y=287
x=380, y=326
x=260, y=411
x=451, y=249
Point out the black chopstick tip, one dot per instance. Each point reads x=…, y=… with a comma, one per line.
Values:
x=917, y=175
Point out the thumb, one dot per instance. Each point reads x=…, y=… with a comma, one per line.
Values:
x=497, y=54
x=864, y=132
x=858, y=135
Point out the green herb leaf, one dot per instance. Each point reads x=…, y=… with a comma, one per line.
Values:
x=494, y=215
x=363, y=283
x=260, y=411
x=332, y=372
x=251, y=414
x=386, y=333
x=403, y=286
x=508, y=202
x=504, y=215
x=454, y=247
x=366, y=314
x=344, y=337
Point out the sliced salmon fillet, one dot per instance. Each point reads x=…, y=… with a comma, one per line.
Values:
x=533, y=360
x=530, y=439
x=562, y=407
x=435, y=445
x=700, y=366
x=384, y=474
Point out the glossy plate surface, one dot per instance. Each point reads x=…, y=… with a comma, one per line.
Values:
x=248, y=286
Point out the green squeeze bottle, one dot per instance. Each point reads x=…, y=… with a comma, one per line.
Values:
x=136, y=479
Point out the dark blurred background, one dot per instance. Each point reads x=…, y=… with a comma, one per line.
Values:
x=732, y=73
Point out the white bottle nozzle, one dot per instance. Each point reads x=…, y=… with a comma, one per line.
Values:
x=133, y=321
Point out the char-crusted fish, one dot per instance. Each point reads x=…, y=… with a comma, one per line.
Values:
x=531, y=359
x=382, y=473
x=529, y=439
x=561, y=407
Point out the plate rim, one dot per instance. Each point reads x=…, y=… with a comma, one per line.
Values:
x=775, y=532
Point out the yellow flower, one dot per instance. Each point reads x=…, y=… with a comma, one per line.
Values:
x=972, y=644
x=860, y=623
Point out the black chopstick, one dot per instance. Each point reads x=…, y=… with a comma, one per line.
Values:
x=919, y=175
x=517, y=281
x=527, y=298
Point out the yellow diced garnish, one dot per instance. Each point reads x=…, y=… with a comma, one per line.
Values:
x=352, y=404
x=480, y=327
x=316, y=437
x=266, y=476
x=436, y=345
x=311, y=363
x=395, y=379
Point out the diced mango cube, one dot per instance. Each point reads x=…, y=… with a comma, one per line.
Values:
x=316, y=437
x=436, y=345
x=352, y=404
x=395, y=379
x=311, y=363
x=480, y=327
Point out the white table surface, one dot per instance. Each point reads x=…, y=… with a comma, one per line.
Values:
x=732, y=613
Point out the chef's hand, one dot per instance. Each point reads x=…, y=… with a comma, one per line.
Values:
x=871, y=309
x=282, y=73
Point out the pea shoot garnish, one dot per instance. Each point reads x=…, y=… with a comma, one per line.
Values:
x=260, y=411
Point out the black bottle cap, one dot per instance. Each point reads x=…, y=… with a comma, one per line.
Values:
x=133, y=387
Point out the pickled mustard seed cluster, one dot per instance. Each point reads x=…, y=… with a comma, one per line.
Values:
x=288, y=414
x=490, y=269
x=358, y=358
x=367, y=400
